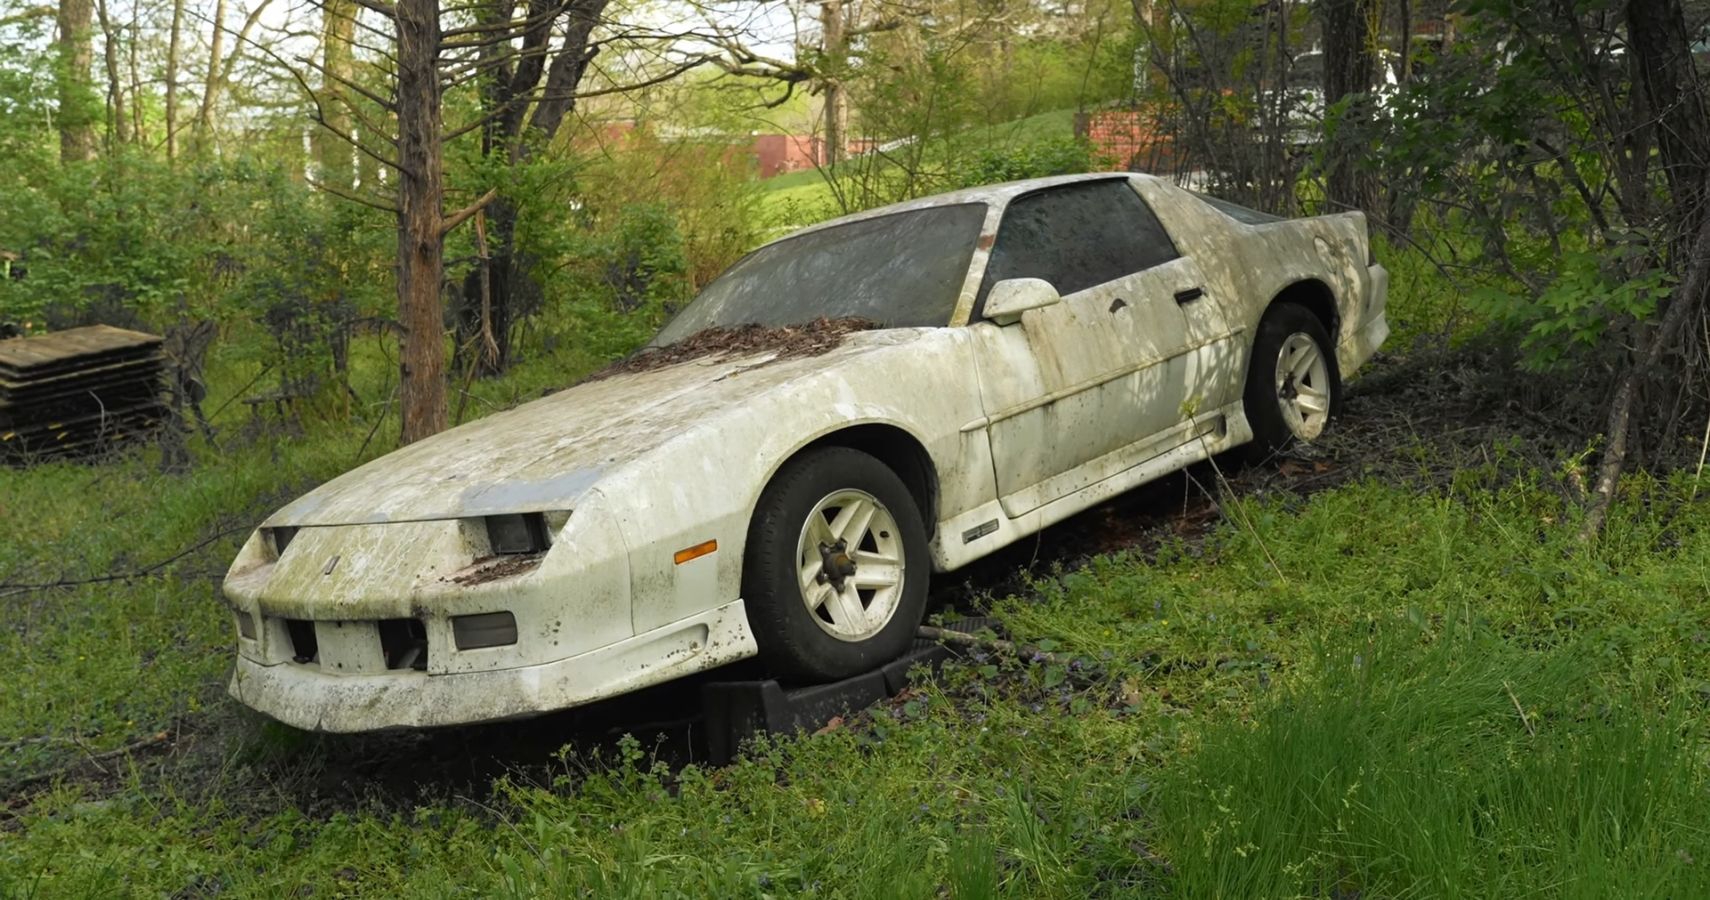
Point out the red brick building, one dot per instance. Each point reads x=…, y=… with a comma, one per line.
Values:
x=775, y=154
x=770, y=154
x=1131, y=138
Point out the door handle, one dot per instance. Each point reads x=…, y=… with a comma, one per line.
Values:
x=1189, y=295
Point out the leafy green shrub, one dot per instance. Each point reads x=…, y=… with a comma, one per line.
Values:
x=1571, y=315
x=633, y=236
x=1055, y=156
x=626, y=270
x=315, y=268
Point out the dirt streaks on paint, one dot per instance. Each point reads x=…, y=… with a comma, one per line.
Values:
x=787, y=342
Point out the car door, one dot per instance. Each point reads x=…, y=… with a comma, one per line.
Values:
x=1079, y=390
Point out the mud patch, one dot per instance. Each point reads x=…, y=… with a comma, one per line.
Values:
x=788, y=342
x=494, y=568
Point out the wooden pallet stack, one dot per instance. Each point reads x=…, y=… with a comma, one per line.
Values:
x=78, y=392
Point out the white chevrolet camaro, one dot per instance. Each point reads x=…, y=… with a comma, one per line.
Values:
x=1036, y=348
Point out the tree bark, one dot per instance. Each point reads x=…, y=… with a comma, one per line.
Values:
x=834, y=44
x=172, y=79
x=118, y=122
x=216, y=46
x=420, y=220
x=494, y=296
x=1348, y=71
x=76, y=96
x=139, y=133
x=333, y=154
x=1663, y=69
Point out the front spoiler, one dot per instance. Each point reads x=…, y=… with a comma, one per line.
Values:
x=307, y=698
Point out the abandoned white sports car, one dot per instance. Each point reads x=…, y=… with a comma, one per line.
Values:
x=787, y=492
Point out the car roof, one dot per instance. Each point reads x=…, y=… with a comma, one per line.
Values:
x=991, y=194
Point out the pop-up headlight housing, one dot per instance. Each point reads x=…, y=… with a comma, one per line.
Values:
x=279, y=538
x=520, y=533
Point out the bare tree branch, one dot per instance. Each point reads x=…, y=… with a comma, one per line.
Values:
x=318, y=112
x=543, y=94
x=451, y=222
x=341, y=193
x=25, y=15
x=382, y=7
x=376, y=99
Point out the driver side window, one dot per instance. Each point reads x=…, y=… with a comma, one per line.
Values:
x=1077, y=236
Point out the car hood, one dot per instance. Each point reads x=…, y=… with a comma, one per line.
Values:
x=546, y=454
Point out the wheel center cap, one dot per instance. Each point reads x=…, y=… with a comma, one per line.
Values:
x=835, y=563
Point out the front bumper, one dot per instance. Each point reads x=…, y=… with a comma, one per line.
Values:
x=311, y=699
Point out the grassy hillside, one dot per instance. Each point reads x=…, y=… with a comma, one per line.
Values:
x=803, y=197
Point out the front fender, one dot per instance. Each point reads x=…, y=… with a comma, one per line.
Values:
x=704, y=485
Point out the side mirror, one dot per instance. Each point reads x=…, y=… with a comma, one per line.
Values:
x=1013, y=296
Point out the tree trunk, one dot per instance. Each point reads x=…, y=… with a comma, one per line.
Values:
x=1685, y=304
x=1399, y=190
x=172, y=79
x=333, y=151
x=1348, y=69
x=1662, y=57
x=139, y=134
x=1668, y=99
x=118, y=122
x=493, y=296
x=420, y=220
x=483, y=320
x=496, y=295
x=216, y=46
x=834, y=43
x=77, y=103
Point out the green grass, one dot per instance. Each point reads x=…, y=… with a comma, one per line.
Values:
x=1326, y=703
x=1020, y=132
x=100, y=663
x=797, y=199
x=1386, y=689
x=1402, y=768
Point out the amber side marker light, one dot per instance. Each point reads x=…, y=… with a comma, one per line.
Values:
x=696, y=552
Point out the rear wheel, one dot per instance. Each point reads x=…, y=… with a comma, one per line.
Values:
x=1293, y=385
x=834, y=576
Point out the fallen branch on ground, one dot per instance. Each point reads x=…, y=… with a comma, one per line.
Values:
x=995, y=645
x=1524, y=719
x=11, y=590
x=90, y=759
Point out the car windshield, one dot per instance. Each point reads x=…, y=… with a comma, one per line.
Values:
x=901, y=270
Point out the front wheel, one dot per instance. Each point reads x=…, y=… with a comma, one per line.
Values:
x=1293, y=384
x=834, y=575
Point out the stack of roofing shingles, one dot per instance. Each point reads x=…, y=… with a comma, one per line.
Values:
x=77, y=392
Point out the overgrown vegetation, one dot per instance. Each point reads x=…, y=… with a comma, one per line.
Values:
x=1395, y=667
x=1381, y=688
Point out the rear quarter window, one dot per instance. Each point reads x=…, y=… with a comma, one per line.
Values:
x=1238, y=212
x=1077, y=236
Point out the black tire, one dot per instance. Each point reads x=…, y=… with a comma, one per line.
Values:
x=792, y=643
x=1264, y=402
